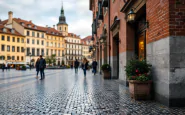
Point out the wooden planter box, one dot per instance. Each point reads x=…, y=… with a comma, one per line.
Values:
x=139, y=90
x=106, y=74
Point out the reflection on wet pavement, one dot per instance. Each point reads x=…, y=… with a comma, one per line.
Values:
x=64, y=92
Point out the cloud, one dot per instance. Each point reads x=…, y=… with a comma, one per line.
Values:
x=47, y=12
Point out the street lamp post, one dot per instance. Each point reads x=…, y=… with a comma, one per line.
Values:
x=30, y=60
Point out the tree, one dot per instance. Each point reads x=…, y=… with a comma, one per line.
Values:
x=51, y=59
x=63, y=62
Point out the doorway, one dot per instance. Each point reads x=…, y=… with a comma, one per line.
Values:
x=115, y=68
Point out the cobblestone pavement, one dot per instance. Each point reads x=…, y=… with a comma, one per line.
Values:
x=64, y=92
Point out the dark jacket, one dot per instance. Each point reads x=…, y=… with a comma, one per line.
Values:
x=76, y=64
x=94, y=64
x=85, y=66
x=42, y=63
x=37, y=65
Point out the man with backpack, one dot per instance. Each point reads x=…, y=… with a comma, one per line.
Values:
x=76, y=66
x=42, y=65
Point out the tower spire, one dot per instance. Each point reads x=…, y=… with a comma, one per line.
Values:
x=62, y=5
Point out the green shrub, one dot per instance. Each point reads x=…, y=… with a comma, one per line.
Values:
x=105, y=67
x=138, y=70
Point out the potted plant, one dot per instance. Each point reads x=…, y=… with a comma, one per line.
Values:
x=139, y=77
x=106, y=71
x=23, y=67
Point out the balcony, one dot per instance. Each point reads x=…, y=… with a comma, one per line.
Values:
x=104, y=3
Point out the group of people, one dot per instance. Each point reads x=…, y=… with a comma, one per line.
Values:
x=85, y=66
x=5, y=66
x=40, y=66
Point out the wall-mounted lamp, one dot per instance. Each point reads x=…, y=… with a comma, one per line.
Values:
x=131, y=16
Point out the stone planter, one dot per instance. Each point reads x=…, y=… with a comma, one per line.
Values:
x=106, y=74
x=139, y=90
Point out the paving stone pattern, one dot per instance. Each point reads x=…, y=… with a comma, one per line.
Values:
x=64, y=92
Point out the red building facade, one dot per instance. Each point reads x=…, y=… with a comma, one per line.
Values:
x=156, y=34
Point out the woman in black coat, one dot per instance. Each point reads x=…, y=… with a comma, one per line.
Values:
x=85, y=66
x=37, y=67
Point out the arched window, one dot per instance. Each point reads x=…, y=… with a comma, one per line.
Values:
x=65, y=28
x=60, y=29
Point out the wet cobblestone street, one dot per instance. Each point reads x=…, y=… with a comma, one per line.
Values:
x=64, y=92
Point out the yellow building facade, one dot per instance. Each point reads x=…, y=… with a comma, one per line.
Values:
x=12, y=46
x=55, y=44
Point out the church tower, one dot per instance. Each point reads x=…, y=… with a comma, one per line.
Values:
x=62, y=26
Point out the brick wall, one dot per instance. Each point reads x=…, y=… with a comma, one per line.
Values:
x=157, y=13
x=177, y=17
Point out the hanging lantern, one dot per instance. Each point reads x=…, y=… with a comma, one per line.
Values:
x=131, y=16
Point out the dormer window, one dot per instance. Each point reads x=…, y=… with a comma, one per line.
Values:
x=12, y=31
x=29, y=25
x=4, y=30
x=35, y=27
x=22, y=23
x=53, y=32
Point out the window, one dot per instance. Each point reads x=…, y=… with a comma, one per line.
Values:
x=8, y=48
x=2, y=38
x=22, y=40
x=22, y=58
x=28, y=51
x=59, y=53
x=38, y=52
x=13, y=57
x=38, y=35
x=42, y=42
x=13, y=48
x=60, y=29
x=18, y=49
x=65, y=28
x=8, y=57
x=8, y=38
x=51, y=52
x=2, y=47
x=17, y=57
x=28, y=41
x=42, y=35
x=33, y=41
x=42, y=50
x=59, y=45
x=37, y=42
x=28, y=33
x=33, y=51
x=33, y=34
x=47, y=52
x=22, y=49
x=13, y=39
x=18, y=40
x=47, y=44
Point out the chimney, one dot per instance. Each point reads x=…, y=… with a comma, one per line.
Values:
x=53, y=26
x=46, y=25
x=10, y=17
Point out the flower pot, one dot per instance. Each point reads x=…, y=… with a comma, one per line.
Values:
x=140, y=90
x=106, y=74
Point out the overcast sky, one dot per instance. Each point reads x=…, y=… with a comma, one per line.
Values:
x=46, y=12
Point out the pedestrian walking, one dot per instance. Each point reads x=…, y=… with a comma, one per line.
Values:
x=94, y=66
x=42, y=64
x=6, y=66
x=71, y=66
x=9, y=67
x=37, y=67
x=76, y=66
x=85, y=66
x=3, y=67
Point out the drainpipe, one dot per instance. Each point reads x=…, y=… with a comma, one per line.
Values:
x=109, y=28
